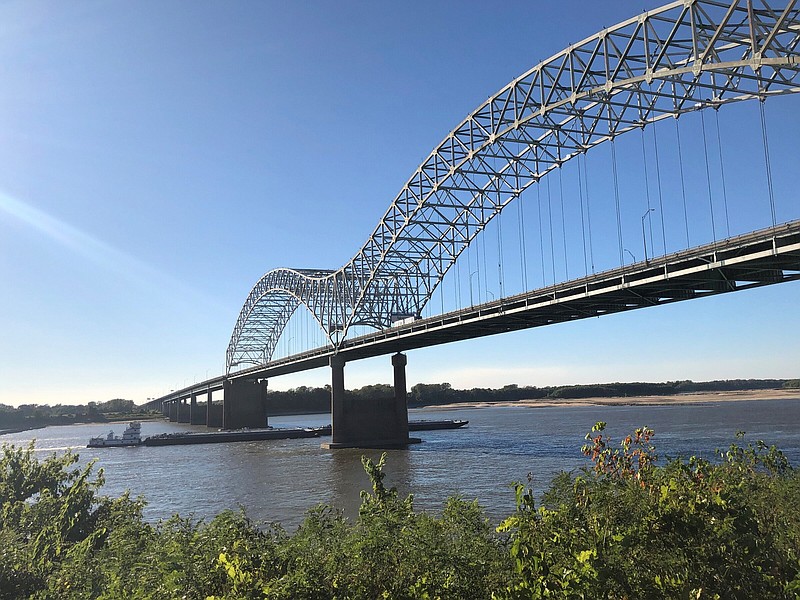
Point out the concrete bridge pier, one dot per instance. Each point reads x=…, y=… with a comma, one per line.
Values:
x=183, y=411
x=340, y=432
x=371, y=422
x=173, y=411
x=399, y=362
x=197, y=414
x=165, y=409
x=244, y=404
x=213, y=412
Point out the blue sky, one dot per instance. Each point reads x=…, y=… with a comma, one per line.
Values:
x=156, y=158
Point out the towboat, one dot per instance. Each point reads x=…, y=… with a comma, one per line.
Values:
x=132, y=436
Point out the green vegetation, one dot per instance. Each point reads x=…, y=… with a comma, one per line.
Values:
x=691, y=529
x=309, y=399
x=621, y=528
x=432, y=394
x=30, y=416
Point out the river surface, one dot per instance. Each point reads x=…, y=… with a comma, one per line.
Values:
x=278, y=480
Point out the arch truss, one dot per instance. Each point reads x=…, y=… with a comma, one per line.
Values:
x=685, y=56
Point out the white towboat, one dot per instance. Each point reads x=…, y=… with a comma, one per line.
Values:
x=132, y=436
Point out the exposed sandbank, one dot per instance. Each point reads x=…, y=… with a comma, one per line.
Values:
x=688, y=398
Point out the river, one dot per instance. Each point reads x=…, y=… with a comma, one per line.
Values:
x=278, y=480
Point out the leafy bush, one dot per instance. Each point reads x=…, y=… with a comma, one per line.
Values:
x=47, y=508
x=627, y=529
x=623, y=527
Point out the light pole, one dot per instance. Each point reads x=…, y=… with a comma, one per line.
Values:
x=644, y=238
x=470, y=289
x=631, y=253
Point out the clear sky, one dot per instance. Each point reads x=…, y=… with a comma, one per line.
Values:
x=156, y=158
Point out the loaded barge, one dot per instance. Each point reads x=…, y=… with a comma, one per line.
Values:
x=415, y=425
x=132, y=435
x=218, y=437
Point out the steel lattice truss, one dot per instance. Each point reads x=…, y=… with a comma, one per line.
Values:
x=685, y=56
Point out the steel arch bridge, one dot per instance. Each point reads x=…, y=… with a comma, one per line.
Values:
x=686, y=56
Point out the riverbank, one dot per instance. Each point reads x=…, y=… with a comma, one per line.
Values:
x=59, y=422
x=11, y=430
x=671, y=400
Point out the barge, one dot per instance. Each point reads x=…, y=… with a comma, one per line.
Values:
x=132, y=436
x=218, y=437
x=441, y=424
x=416, y=425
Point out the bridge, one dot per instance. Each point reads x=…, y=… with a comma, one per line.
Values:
x=666, y=74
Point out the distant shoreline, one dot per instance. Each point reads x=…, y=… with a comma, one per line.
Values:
x=11, y=430
x=109, y=421
x=686, y=398
x=672, y=400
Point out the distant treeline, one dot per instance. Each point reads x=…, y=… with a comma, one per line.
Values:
x=310, y=399
x=316, y=400
x=28, y=416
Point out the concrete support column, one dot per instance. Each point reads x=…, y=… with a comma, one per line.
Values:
x=244, y=404
x=213, y=412
x=339, y=433
x=173, y=411
x=399, y=362
x=227, y=401
x=183, y=411
x=369, y=422
x=165, y=409
x=209, y=409
x=197, y=414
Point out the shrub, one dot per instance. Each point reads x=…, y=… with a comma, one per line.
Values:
x=625, y=528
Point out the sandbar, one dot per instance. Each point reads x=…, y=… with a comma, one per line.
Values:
x=675, y=399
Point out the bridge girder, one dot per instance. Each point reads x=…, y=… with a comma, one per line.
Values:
x=688, y=55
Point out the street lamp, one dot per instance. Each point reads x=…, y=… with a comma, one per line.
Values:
x=470, y=289
x=631, y=253
x=644, y=238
